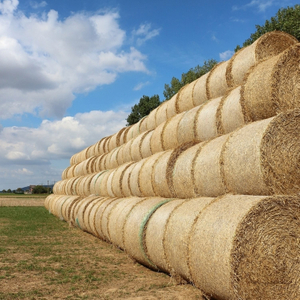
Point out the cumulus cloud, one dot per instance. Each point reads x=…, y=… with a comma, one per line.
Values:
x=144, y=33
x=37, y=5
x=226, y=55
x=141, y=85
x=262, y=5
x=45, y=60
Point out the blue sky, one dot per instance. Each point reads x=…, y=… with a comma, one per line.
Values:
x=71, y=70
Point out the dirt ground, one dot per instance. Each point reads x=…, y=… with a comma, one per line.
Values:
x=17, y=201
x=123, y=278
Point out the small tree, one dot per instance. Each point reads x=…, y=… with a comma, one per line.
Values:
x=9, y=191
x=3, y=191
x=39, y=189
x=19, y=191
x=142, y=109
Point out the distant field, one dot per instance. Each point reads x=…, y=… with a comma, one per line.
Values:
x=22, y=200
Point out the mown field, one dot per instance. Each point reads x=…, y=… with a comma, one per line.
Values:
x=42, y=257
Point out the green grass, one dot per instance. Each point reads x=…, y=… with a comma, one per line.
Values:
x=13, y=195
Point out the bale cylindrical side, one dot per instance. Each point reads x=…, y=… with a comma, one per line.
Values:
x=87, y=185
x=200, y=92
x=161, y=115
x=71, y=171
x=133, y=132
x=119, y=140
x=272, y=85
x=49, y=200
x=123, y=136
x=103, y=186
x=146, y=185
x=230, y=112
x=249, y=252
x=71, y=210
x=172, y=107
x=116, y=183
x=186, y=126
x=154, y=234
x=136, y=147
x=151, y=119
x=127, y=151
x=99, y=147
x=111, y=160
x=159, y=175
x=156, y=142
x=110, y=183
x=85, y=226
x=216, y=82
x=145, y=144
x=65, y=209
x=268, y=45
x=206, y=122
x=143, y=124
x=177, y=235
x=134, y=229
x=112, y=144
x=134, y=179
x=207, y=175
x=96, y=184
x=169, y=134
x=185, y=99
x=118, y=218
x=56, y=208
x=125, y=181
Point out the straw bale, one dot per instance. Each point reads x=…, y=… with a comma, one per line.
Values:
x=48, y=200
x=272, y=85
x=65, y=209
x=71, y=171
x=120, y=155
x=177, y=234
x=127, y=151
x=169, y=134
x=71, y=185
x=103, y=191
x=97, y=163
x=134, y=229
x=151, y=119
x=91, y=151
x=87, y=185
x=125, y=182
x=136, y=147
x=134, y=181
x=161, y=114
x=267, y=46
x=186, y=126
x=106, y=144
x=143, y=125
x=206, y=122
x=71, y=210
x=79, y=217
x=112, y=143
x=93, y=182
x=185, y=99
x=98, y=216
x=123, y=136
x=156, y=142
x=91, y=224
x=146, y=185
x=171, y=107
x=111, y=160
x=216, y=85
x=154, y=234
x=207, y=175
x=180, y=170
x=64, y=174
x=57, y=205
x=106, y=216
x=133, y=131
x=199, y=91
x=96, y=183
x=110, y=183
x=116, y=185
x=145, y=144
x=118, y=218
x=159, y=175
x=99, y=147
x=119, y=142
x=230, y=113
x=249, y=252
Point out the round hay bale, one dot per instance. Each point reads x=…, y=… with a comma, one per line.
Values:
x=110, y=184
x=48, y=201
x=268, y=45
x=161, y=114
x=169, y=134
x=272, y=86
x=206, y=122
x=91, y=151
x=134, y=179
x=143, y=124
x=185, y=99
x=112, y=143
x=116, y=181
x=154, y=229
x=180, y=171
x=74, y=211
x=207, y=175
x=136, y=147
x=262, y=157
x=96, y=183
x=95, y=177
x=106, y=216
x=87, y=185
x=65, y=209
x=119, y=140
x=71, y=210
x=111, y=160
x=71, y=185
x=230, y=113
x=186, y=126
x=103, y=190
x=117, y=219
x=64, y=174
x=98, y=217
x=249, y=252
x=99, y=147
x=71, y=172
x=106, y=144
x=123, y=136
x=216, y=85
x=156, y=142
x=146, y=144
x=97, y=163
x=159, y=175
x=134, y=229
x=133, y=131
x=151, y=119
x=172, y=107
x=125, y=181
x=145, y=182
x=56, y=206
x=199, y=91
x=127, y=151
x=120, y=155
x=176, y=237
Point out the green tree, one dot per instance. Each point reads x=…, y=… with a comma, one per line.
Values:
x=190, y=76
x=286, y=19
x=142, y=109
x=3, y=191
x=9, y=191
x=19, y=191
x=39, y=189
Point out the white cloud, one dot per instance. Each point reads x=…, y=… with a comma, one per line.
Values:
x=45, y=61
x=141, y=85
x=37, y=5
x=262, y=5
x=214, y=38
x=144, y=33
x=226, y=55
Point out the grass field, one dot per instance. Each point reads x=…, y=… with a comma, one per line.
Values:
x=42, y=257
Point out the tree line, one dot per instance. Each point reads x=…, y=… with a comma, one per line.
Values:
x=286, y=19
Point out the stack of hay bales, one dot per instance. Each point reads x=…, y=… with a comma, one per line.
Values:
x=205, y=187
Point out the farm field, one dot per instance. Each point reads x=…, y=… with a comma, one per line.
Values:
x=42, y=257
